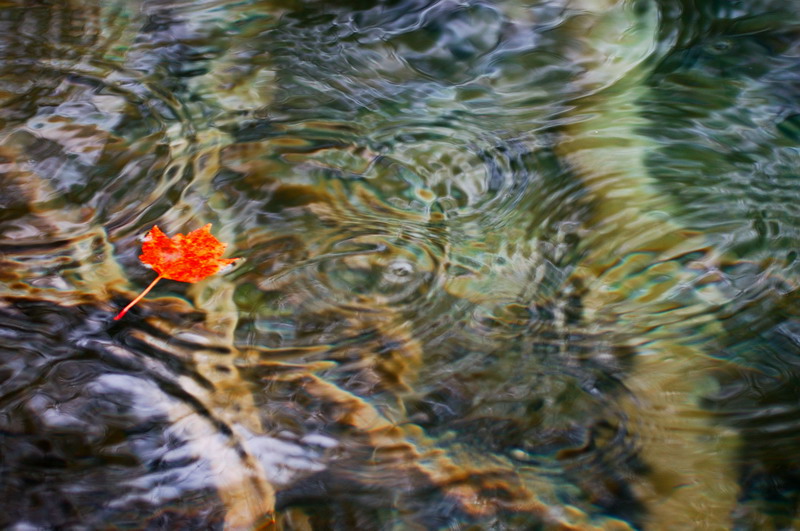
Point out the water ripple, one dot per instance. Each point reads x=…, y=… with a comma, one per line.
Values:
x=505, y=264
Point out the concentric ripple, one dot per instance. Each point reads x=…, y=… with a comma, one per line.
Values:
x=80, y=115
x=470, y=175
x=372, y=271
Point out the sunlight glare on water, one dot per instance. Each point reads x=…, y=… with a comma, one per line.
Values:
x=506, y=264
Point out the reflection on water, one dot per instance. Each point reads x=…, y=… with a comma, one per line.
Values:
x=508, y=264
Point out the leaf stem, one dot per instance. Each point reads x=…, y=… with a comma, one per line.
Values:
x=137, y=299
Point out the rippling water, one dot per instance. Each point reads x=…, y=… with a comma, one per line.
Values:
x=507, y=264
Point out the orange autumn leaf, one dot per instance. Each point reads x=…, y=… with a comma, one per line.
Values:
x=186, y=258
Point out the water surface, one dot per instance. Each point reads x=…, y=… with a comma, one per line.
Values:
x=506, y=265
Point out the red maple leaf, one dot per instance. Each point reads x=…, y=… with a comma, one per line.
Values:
x=186, y=258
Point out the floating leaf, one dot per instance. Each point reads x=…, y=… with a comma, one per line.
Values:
x=186, y=258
